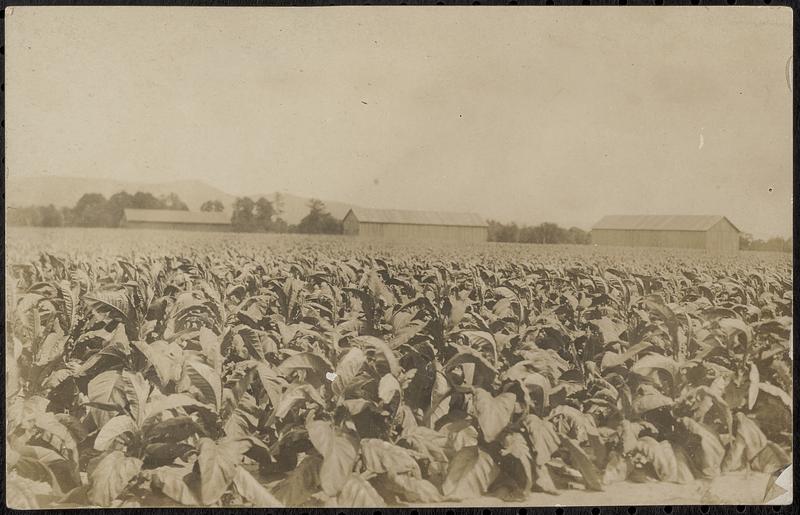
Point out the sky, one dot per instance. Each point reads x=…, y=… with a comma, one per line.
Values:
x=525, y=114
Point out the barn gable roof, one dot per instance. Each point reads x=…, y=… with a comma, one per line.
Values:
x=176, y=217
x=660, y=222
x=400, y=216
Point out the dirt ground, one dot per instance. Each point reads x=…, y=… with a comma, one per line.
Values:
x=737, y=488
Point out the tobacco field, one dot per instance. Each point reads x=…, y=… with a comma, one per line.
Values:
x=225, y=370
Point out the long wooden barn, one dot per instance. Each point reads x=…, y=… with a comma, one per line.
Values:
x=394, y=224
x=175, y=220
x=710, y=232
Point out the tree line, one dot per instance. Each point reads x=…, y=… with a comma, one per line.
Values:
x=263, y=215
x=543, y=233
x=776, y=244
x=247, y=215
x=92, y=210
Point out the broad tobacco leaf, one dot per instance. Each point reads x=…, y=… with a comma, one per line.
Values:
x=204, y=379
x=51, y=348
x=306, y=361
x=572, y=423
x=339, y=451
x=546, y=362
x=164, y=357
x=348, y=368
x=383, y=457
x=106, y=389
x=218, y=465
x=427, y=441
x=646, y=364
x=414, y=489
x=137, y=390
x=110, y=476
x=172, y=482
x=589, y=471
x=493, y=413
x=609, y=329
x=56, y=434
x=771, y=459
x=707, y=398
x=514, y=445
x=613, y=359
x=656, y=304
x=544, y=439
x=249, y=488
x=706, y=449
x=26, y=494
x=115, y=427
x=662, y=456
x=481, y=339
x=357, y=492
x=271, y=382
x=159, y=454
x=750, y=435
x=733, y=326
x=388, y=387
x=484, y=373
x=470, y=473
x=210, y=343
x=649, y=401
x=295, y=394
x=301, y=483
x=386, y=351
x=174, y=401
x=460, y=434
x=173, y=429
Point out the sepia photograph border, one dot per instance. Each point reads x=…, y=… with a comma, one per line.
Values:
x=493, y=510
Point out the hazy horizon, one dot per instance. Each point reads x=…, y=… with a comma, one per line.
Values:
x=519, y=114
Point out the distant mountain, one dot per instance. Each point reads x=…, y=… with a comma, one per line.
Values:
x=65, y=192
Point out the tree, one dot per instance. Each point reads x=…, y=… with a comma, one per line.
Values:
x=503, y=232
x=318, y=220
x=745, y=241
x=51, y=216
x=90, y=211
x=142, y=200
x=242, y=218
x=33, y=216
x=774, y=244
x=543, y=233
x=578, y=236
x=262, y=216
x=213, y=206
x=552, y=233
x=116, y=206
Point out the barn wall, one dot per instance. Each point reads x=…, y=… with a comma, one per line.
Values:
x=642, y=238
x=176, y=227
x=722, y=237
x=423, y=232
x=350, y=224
